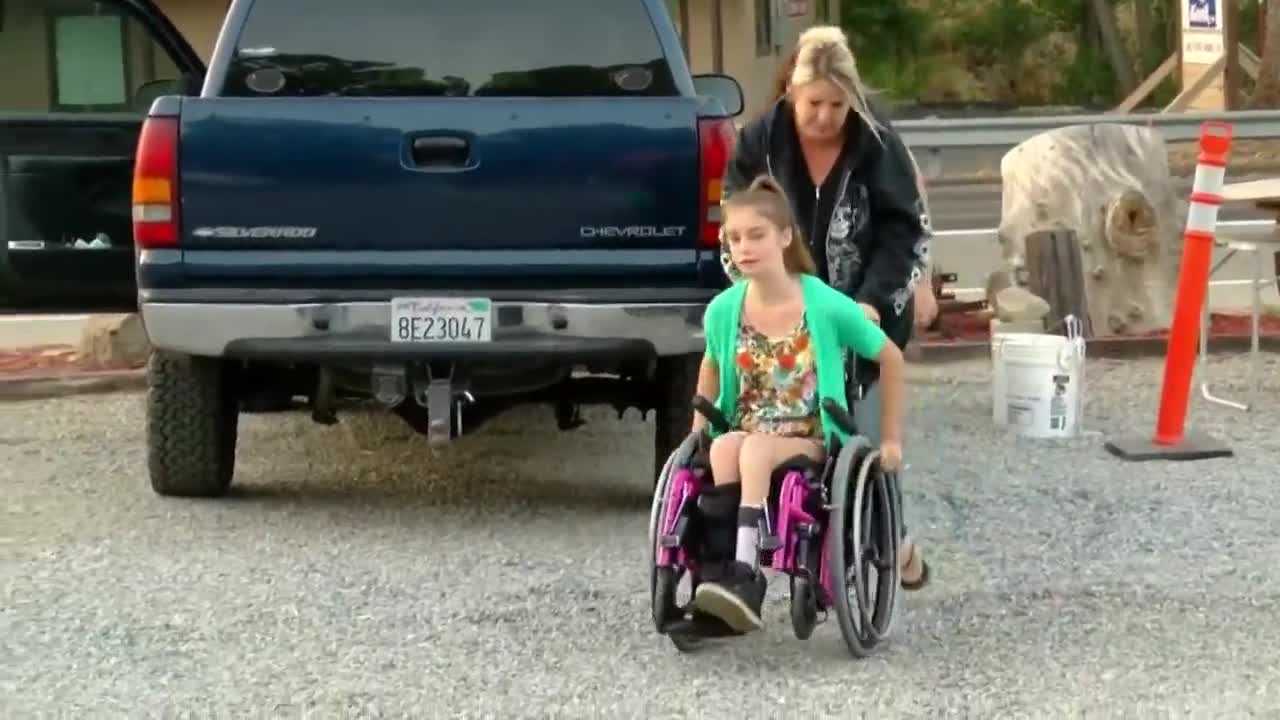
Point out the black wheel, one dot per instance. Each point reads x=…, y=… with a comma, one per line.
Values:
x=804, y=607
x=863, y=537
x=665, y=608
x=663, y=582
x=685, y=643
x=675, y=381
x=668, y=608
x=192, y=418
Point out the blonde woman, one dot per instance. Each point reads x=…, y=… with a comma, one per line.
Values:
x=854, y=188
x=926, y=305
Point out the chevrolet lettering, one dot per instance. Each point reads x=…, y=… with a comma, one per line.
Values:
x=631, y=231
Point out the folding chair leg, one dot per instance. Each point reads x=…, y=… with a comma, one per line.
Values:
x=1255, y=322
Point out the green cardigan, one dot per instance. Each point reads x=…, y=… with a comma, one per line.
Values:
x=836, y=323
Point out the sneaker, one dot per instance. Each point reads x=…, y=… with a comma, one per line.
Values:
x=736, y=600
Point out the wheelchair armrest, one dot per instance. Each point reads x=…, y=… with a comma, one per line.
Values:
x=708, y=410
x=842, y=417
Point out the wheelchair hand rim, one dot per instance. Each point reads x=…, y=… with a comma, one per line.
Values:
x=854, y=625
x=866, y=608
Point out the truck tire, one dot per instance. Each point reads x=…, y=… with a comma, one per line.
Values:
x=676, y=380
x=192, y=418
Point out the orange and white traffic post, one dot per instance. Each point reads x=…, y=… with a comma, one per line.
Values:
x=1171, y=441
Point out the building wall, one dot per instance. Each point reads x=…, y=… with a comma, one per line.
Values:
x=24, y=41
x=27, y=42
x=199, y=21
x=753, y=70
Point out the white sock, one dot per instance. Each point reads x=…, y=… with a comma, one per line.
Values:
x=748, y=541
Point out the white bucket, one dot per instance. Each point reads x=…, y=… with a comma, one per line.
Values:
x=1038, y=382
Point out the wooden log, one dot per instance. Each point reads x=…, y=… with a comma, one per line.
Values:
x=1055, y=272
x=1109, y=185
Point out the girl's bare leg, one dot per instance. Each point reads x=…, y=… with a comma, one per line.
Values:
x=761, y=454
x=724, y=457
x=737, y=601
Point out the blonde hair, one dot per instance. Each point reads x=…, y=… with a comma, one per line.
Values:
x=767, y=197
x=822, y=53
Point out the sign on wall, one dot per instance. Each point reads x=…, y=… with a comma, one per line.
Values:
x=1204, y=34
x=1203, y=31
x=1202, y=14
x=795, y=8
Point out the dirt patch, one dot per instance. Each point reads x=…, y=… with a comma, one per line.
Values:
x=45, y=360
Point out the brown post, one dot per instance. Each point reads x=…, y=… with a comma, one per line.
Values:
x=1175, y=36
x=1055, y=270
x=717, y=36
x=1231, y=92
x=1262, y=26
x=684, y=30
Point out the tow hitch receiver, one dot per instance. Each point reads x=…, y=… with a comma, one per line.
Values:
x=443, y=401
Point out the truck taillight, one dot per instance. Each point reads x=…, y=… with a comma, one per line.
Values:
x=715, y=139
x=155, y=184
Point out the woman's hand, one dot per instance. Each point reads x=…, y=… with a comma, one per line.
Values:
x=871, y=313
x=926, y=305
x=890, y=456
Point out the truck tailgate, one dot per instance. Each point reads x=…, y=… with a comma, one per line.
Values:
x=445, y=191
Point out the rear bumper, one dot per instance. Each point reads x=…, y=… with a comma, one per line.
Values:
x=356, y=331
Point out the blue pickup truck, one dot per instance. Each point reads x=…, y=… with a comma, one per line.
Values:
x=449, y=208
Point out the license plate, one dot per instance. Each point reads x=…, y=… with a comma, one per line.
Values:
x=431, y=320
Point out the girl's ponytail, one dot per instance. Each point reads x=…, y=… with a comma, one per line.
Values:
x=768, y=184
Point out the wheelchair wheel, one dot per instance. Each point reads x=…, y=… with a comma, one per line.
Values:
x=804, y=607
x=863, y=537
x=664, y=582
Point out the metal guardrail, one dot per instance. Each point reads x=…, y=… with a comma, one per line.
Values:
x=950, y=246
x=930, y=137
x=1009, y=131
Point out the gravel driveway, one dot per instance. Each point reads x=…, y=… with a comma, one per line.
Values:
x=354, y=575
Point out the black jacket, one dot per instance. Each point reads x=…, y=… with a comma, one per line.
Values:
x=867, y=225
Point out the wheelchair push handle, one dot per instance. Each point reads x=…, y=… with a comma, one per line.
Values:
x=842, y=416
x=708, y=410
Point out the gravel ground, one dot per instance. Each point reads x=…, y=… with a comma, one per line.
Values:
x=354, y=575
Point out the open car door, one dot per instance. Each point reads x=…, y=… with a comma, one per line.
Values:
x=81, y=76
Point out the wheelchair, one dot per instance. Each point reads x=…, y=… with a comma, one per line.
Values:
x=833, y=527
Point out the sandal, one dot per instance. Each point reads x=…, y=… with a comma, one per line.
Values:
x=920, y=582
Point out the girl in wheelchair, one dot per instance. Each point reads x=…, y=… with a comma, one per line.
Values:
x=776, y=343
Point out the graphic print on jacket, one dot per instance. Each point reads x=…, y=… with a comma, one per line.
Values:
x=921, y=250
x=849, y=218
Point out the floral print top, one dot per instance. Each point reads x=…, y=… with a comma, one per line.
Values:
x=778, y=383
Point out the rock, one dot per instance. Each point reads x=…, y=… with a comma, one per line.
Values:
x=1018, y=305
x=113, y=341
x=997, y=281
x=1110, y=185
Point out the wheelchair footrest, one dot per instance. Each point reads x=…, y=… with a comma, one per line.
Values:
x=696, y=629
